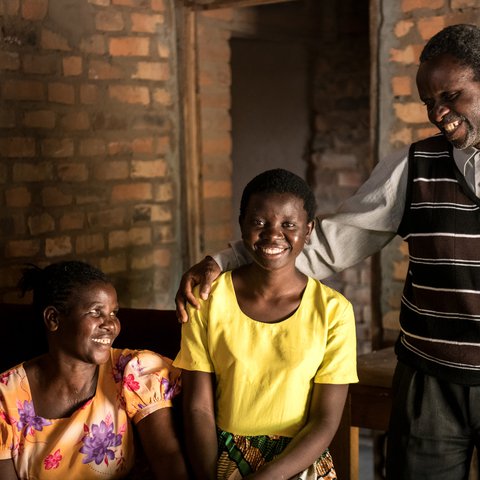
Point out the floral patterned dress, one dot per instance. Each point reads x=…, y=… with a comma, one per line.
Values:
x=96, y=441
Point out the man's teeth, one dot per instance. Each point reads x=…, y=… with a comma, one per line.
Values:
x=104, y=341
x=450, y=127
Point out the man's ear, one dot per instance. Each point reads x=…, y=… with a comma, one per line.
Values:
x=51, y=318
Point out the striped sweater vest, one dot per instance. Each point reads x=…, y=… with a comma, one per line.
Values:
x=440, y=310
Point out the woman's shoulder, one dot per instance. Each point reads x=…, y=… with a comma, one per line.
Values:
x=316, y=290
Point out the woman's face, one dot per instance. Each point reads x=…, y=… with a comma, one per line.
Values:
x=91, y=325
x=275, y=229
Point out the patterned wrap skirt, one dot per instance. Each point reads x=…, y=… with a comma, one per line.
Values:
x=238, y=456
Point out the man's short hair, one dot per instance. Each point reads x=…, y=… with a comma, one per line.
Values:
x=461, y=41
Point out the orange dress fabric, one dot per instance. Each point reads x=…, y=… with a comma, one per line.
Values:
x=96, y=441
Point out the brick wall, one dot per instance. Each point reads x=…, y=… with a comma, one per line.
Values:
x=88, y=142
x=406, y=26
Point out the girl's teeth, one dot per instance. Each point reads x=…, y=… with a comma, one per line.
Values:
x=104, y=341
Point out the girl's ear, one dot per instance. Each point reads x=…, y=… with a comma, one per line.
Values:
x=51, y=318
x=310, y=227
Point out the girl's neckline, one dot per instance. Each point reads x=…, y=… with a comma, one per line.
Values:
x=290, y=317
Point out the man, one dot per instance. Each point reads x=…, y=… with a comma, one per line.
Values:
x=429, y=195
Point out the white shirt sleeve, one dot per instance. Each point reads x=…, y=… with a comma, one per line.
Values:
x=362, y=225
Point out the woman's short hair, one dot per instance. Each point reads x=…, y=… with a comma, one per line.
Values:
x=55, y=284
x=279, y=180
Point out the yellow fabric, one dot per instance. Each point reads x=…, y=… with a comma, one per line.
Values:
x=265, y=372
x=130, y=386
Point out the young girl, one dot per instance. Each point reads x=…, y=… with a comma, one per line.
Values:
x=267, y=359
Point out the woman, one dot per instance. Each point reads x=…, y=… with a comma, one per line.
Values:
x=70, y=412
x=268, y=357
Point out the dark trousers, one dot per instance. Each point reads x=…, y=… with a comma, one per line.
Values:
x=434, y=427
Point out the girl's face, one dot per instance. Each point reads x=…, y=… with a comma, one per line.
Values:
x=275, y=229
x=91, y=325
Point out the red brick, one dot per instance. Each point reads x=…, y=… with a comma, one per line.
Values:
x=350, y=179
x=142, y=145
x=129, y=46
x=91, y=147
x=163, y=50
x=22, y=248
x=72, y=221
x=9, y=7
x=94, y=44
x=89, y=243
x=129, y=94
x=164, y=234
x=463, y=3
x=162, y=257
x=217, y=146
x=219, y=233
x=58, y=246
x=54, y=197
x=163, y=145
x=89, y=94
x=213, y=189
x=409, y=55
x=402, y=136
x=164, y=192
x=421, y=133
x=9, y=61
x=117, y=170
x=7, y=118
x=119, y=148
x=134, y=237
x=429, y=26
x=109, y=21
x=39, y=64
x=53, y=41
x=61, y=93
x=114, y=263
x=408, y=5
x=9, y=276
x=17, y=147
x=18, y=197
x=149, y=168
x=162, y=97
x=57, y=147
x=38, y=224
x=142, y=261
x=72, y=66
x=28, y=172
x=72, y=172
x=75, y=121
x=146, y=23
x=411, y=112
x=161, y=213
x=131, y=192
x=100, y=70
x=401, y=86
x=91, y=196
x=113, y=217
x=152, y=71
x=403, y=27
x=39, y=119
x=100, y=3
x=158, y=5
x=129, y=3
x=34, y=9
x=23, y=90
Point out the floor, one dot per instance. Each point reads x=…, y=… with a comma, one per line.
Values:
x=365, y=457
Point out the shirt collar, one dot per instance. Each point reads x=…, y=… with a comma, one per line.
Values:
x=463, y=157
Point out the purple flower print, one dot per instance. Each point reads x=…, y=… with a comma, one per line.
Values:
x=28, y=419
x=170, y=389
x=120, y=367
x=96, y=447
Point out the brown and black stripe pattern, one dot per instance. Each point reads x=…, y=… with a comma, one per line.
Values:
x=440, y=312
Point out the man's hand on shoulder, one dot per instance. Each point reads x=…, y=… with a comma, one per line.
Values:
x=203, y=274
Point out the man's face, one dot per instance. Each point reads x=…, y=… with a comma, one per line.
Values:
x=452, y=97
